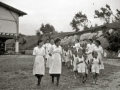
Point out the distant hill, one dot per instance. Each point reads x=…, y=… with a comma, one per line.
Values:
x=31, y=41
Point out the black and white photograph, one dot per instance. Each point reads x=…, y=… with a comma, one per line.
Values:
x=59, y=44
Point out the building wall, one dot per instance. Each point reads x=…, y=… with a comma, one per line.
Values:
x=8, y=25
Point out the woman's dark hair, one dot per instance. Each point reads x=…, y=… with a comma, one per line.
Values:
x=39, y=41
x=47, y=40
x=51, y=39
x=57, y=40
x=91, y=40
x=97, y=41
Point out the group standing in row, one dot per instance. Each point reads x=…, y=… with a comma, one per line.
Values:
x=80, y=58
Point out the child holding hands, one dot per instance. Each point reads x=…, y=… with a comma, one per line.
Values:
x=95, y=62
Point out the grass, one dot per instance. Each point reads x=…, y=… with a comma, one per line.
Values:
x=16, y=74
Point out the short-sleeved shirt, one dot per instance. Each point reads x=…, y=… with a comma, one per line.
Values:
x=39, y=51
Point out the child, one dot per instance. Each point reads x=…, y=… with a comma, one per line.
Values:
x=75, y=63
x=77, y=45
x=81, y=65
x=66, y=57
x=86, y=66
x=95, y=62
x=105, y=54
x=63, y=61
x=69, y=57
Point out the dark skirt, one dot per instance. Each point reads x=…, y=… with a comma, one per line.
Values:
x=38, y=75
x=55, y=75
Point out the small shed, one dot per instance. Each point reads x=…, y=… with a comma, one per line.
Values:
x=9, y=24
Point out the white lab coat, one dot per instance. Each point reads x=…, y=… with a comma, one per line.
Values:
x=100, y=52
x=56, y=66
x=39, y=64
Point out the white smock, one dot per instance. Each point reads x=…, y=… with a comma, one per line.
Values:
x=81, y=66
x=100, y=52
x=90, y=48
x=95, y=65
x=47, y=48
x=39, y=64
x=50, y=60
x=56, y=65
x=75, y=63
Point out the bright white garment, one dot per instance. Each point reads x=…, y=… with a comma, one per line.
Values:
x=90, y=48
x=100, y=52
x=119, y=53
x=95, y=65
x=56, y=65
x=74, y=63
x=67, y=56
x=81, y=66
x=39, y=64
x=49, y=58
x=105, y=54
x=77, y=46
x=63, y=53
x=47, y=48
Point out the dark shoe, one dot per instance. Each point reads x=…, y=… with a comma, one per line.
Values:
x=38, y=84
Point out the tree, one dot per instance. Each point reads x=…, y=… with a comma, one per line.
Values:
x=117, y=17
x=79, y=20
x=38, y=33
x=86, y=27
x=114, y=39
x=106, y=14
x=47, y=29
x=74, y=25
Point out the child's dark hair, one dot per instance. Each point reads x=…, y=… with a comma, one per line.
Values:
x=97, y=41
x=47, y=40
x=39, y=41
x=91, y=40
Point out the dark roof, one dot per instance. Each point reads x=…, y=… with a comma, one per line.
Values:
x=19, y=12
x=6, y=37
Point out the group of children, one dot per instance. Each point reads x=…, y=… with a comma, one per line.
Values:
x=80, y=58
x=82, y=61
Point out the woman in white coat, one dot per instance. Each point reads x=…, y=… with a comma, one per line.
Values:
x=99, y=50
x=39, y=61
x=56, y=65
x=90, y=48
x=49, y=61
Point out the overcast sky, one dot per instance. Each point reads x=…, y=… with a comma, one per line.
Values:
x=58, y=13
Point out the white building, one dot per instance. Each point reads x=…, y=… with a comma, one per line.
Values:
x=9, y=23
